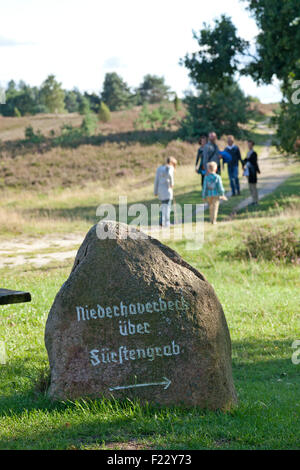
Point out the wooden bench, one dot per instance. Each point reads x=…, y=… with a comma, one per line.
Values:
x=13, y=297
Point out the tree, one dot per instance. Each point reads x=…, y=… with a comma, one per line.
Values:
x=84, y=105
x=23, y=98
x=71, y=101
x=288, y=127
x=220, y=111
x=94, y=101
x=220, y=104
x=53, y=95
x=153, y=90
x=176, y=103
x=104, y=113
x=278, y=41
x=116, y=93
x=218, y=58
x=11, y=86
x=277, y=54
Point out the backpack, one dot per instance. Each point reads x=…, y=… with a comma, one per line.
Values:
x=211, y=183
x=227, y=157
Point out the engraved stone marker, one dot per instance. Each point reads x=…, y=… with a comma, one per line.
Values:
x=135, y=320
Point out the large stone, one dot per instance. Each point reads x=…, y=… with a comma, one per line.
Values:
x=135, y=320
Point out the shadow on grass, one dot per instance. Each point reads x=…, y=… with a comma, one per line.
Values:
x=274, y=203
x=88, y=213
x=256, y=373
x=144, y=137
x=244, y=365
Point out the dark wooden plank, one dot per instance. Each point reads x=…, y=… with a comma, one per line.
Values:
x=13, y=296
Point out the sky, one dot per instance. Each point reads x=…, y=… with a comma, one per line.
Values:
x=79, y=41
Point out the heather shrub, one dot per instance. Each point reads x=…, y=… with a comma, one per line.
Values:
x=157, y=118
x=32, y=136
x=264, y=244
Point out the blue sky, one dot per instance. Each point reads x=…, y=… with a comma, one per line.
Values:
x=80, y=41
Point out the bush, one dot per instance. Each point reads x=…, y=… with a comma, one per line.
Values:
x=33, y=137
x=89, y=124
x=104, y=113
x=17, y=112
x=262, y=244
x=158, y=118
x=70, y=136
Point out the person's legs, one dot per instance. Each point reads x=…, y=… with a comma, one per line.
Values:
x=231, y=179
x=210, y=206
x=166, y=212
x=215, y=208
x=235, y=175
x=253, y=191
x=160, y=214
x=169, y=206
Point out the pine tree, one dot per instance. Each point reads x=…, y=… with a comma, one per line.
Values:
x=53, y=95
x=176, y=103
x=104, y=113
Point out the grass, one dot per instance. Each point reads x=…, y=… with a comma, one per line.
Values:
x=260, y=300
x=284, y=199
x=261, y=304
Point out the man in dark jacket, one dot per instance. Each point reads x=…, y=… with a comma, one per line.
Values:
x=233, y=166
x=252, y=168
x=211, y=152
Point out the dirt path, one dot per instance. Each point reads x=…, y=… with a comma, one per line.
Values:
x=54, y=248
x=274, y=171
x=39, y=252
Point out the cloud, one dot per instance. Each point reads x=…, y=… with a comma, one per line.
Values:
x=7, y=42
x=113, y=63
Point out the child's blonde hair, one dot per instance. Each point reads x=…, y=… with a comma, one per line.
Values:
x=212, y=166
x=171, y=161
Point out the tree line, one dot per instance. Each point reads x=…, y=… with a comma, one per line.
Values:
x=215, y=69
x=223, y=57
x=50, y=97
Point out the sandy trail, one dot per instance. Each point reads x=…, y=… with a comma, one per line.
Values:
x=22, y=251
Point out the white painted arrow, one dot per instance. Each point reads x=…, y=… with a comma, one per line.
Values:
x=166, y=382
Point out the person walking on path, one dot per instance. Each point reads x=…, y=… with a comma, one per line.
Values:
x=163, y=188
x=233, y=166
x=199, y=168
x=211, y=152
x=213, y=191
x=251, y=169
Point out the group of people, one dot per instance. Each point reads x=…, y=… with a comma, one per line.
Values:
x=208, y=165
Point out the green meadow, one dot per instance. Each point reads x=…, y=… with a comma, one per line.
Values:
x=260, y=297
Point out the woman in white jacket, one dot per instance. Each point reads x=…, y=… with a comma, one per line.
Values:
x=163, y=188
